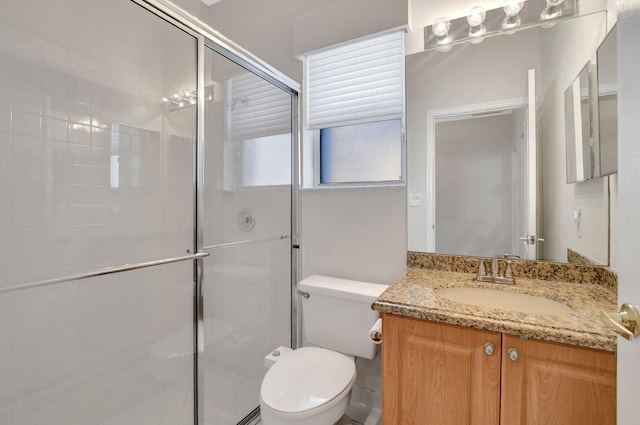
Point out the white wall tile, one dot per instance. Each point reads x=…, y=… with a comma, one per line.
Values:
x=27, y=98
x=26, y=239
x=5, y=113
x=79, y=154
x=101, y=137
x=55, y=150
x=56, y=106
x=6, y=145
x=26, y=123
x=6, y=168
x=79, y=133
x=6, y=85
x=27, y=146
x=27, y=192
x=27, y=169
x=27, y=215
x=80, y=112
x=6, y=243
x=56, y=129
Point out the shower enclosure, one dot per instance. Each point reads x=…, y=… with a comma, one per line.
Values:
x=147, y=216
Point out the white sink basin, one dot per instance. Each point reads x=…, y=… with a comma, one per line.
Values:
x=504, y=300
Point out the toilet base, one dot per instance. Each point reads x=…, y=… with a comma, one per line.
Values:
x=346, y=420
x=332, y=415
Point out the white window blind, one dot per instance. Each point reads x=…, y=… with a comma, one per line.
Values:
x=358, y=82
x=257, y=108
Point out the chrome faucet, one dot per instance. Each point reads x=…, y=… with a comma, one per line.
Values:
x=495, y=277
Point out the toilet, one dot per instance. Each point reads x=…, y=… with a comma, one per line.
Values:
x=312, y=384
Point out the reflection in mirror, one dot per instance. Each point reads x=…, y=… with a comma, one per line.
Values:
x=478, y=158
x=578, y=127
x=606, y=150
x=493, y=72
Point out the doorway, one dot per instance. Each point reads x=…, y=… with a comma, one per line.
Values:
x=478, y=189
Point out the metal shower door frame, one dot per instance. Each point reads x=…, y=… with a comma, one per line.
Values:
x=207, y=37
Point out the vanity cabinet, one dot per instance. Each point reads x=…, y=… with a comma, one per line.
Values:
x=557, y=384
x=438, y=374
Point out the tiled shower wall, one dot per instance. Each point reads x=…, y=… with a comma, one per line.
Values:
x=79, y=189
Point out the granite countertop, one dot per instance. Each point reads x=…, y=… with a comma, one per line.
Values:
x=413, y=295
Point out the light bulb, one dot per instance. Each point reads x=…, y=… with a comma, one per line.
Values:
x=512, y=13
x=512, y=8
x=441, y=27
x=476, y=16
x=553, y=9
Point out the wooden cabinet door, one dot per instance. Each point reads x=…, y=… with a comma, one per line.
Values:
x=554, y=384
x=436, y=374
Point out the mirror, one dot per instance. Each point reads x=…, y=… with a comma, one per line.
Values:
x=606, y=149
x=578, y=122
x=491, y=79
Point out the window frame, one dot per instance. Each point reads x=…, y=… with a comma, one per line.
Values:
x=317, y=163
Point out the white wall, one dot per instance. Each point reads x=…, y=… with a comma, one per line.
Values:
x=567, y=50
x=474, y=175
x=354, y=233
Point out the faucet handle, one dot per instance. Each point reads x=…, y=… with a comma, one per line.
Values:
x=495, y=268
x=507, y=272
x=481, y=269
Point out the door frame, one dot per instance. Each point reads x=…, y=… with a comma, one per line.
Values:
x=438, y=114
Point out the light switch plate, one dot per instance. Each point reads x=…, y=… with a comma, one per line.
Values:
x=415, y=199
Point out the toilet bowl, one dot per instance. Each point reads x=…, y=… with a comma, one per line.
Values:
x=312, y=385
x=309, y=386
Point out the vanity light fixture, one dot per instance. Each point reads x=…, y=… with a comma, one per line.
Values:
x=182, y=99
x=186, y=98
x=511, y=16
x=552, y=10
x=512, y=10
x=475, y=18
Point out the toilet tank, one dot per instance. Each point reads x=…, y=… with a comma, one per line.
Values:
x=337, y=314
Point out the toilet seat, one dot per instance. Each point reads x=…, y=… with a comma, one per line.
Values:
x=306, y=382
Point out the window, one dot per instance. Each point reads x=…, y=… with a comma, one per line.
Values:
x=265, y=161
x=359, y=153
x=355, y=107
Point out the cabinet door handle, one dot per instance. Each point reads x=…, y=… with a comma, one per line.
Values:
x=513, y=354
x=489, y=349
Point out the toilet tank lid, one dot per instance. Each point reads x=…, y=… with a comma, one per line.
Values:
x=342, y=288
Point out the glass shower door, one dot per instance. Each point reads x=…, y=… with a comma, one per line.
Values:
x=247, y=231
x=96, y=174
